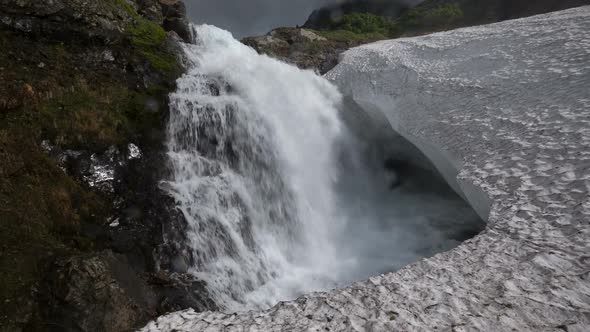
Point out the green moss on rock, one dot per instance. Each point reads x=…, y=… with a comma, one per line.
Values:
x=149, y=38
x=439, y=17
x=125, y=5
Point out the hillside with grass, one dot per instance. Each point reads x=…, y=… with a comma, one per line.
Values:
x=83, y=105
x=368, y=19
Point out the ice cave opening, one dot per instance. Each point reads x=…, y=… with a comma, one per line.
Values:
x=288, y=187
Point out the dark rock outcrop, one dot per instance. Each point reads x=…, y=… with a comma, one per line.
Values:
x=174, y=13
x=95, y=292
x=305, y=48
x=104, y=20
x=103, y=292
x=170, y=14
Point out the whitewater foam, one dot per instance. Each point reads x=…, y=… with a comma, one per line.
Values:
x=251, y=143
x=274, y=188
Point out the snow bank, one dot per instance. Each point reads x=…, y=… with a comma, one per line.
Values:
x=508, y=107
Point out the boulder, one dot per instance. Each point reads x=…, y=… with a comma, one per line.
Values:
x=305, y=48
x=96, y=292
x=151, y=10
x=103, y=292
x=174, y=14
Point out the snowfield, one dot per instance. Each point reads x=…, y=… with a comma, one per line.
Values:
x=503, y=111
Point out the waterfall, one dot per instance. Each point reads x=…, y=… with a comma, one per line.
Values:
x=251, y=143
x=278, y=201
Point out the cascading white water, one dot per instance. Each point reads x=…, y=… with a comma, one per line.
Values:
x=251, y=143
x=256, y=150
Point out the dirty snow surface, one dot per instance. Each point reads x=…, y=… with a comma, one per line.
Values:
x=508, y=106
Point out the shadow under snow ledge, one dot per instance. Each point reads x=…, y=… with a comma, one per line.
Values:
x=509, y=105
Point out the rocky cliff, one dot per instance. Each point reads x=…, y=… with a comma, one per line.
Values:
x=305, y=48
x=503, y=111
x=83, y=224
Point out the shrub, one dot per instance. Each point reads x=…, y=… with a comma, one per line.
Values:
x=148, y=38
x=442, y=16
x=364, y=23
x=349, y=36
x=360, y=27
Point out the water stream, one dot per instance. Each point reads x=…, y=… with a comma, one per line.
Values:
x=280, y=197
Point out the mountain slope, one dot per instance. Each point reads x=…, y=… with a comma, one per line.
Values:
x=434, y=15
x=323, y=18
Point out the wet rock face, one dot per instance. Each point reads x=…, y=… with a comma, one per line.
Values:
x=141, y=269
x=171, y=14
x=102, y=292
x=100, y=171
x=85, y=293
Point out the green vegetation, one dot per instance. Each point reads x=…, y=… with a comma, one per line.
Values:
x=365, y=23
x=41, y=209
x=85, y=118
x=364, y=27
x=349, y=36
x=440, y=17
x=95, y=118
x=126, y=6
x=148, y=38
x=51, y=89
x=359, y=27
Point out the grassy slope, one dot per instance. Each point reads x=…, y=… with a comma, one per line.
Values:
x=49, y=90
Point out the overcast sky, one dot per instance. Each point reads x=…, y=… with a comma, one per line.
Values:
x=252, y=17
